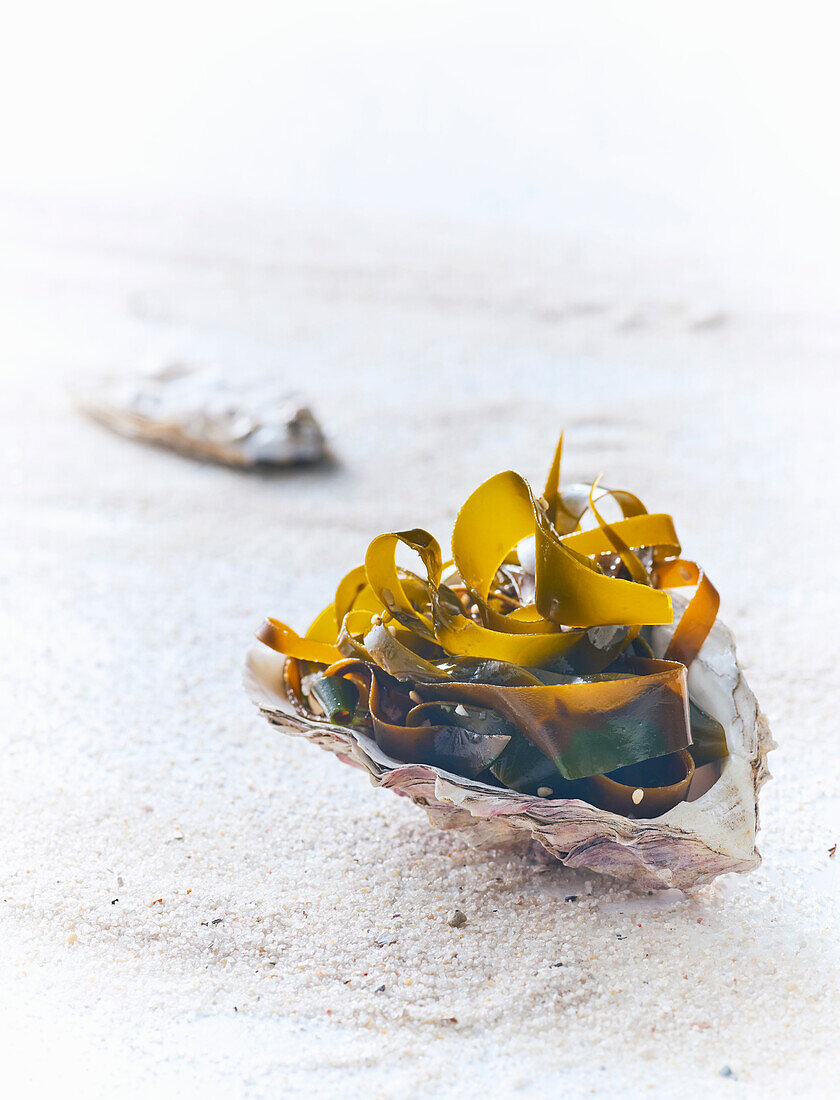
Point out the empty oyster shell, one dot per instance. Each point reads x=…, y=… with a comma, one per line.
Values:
x=208, y=414
x=710, y=834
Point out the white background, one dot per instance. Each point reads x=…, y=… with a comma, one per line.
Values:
x=711, y=123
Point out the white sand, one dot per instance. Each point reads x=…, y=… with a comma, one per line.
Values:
x=191, y=901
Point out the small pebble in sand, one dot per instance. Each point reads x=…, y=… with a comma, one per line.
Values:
x=455, y=918
x=385, y=939
x=725, y=1071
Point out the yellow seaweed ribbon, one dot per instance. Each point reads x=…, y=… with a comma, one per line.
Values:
x=570, y=589
x=284, y=640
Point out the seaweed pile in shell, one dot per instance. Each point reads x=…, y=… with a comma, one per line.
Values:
x=546, y=685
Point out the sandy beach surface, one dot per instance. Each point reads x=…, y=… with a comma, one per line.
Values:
x=193, y=903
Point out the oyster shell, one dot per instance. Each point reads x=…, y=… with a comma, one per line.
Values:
x=710, y=834
x=207, y=413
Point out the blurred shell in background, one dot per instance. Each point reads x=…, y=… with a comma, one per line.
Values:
x=208, y=413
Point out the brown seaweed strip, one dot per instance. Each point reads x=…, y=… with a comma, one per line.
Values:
x=592, y=727
x=699, y=616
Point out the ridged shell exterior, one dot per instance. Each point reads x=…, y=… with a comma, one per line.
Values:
x=686, y=847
